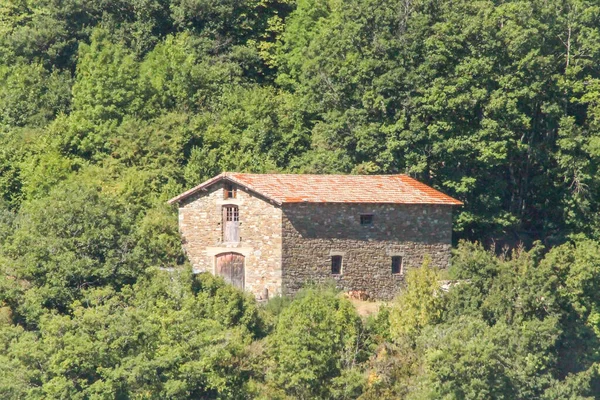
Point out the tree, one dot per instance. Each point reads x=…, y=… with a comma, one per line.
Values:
x=73, y=239
x=256, y=130
x=420, y=304
x=170, y=335
x=31, y=96
x=317, y=339
x=106, y=89
x=450, y=93
x=468, y=359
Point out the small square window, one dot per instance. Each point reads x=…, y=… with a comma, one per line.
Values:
x=230, y=191
x=366, y=219
x=336, y=265
x=397, y=265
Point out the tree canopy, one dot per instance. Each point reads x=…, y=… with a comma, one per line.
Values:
x=109, y=108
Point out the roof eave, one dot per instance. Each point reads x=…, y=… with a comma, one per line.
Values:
x=195, y=189
x=453, y=204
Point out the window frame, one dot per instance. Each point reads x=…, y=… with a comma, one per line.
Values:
x=230, y=214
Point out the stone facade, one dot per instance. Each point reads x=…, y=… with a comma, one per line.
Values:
x=286, y=246
x=201, y=227
x=314, y=232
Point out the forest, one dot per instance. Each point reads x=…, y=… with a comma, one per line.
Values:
x=108, y=108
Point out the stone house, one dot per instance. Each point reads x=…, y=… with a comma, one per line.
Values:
x=272, y=233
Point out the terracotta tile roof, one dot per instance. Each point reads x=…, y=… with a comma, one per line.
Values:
x=298, y=188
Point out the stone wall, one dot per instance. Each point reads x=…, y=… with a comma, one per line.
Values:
x=312, y=233
x=200, y=225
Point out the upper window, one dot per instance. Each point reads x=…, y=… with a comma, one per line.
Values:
x=231, y=224
x=336, y=265
x=230, y=191
x=397, y=265
x=366, y=219
x=232, y=213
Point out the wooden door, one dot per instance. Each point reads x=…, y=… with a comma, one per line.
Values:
x=231, y=267
x=231, y=224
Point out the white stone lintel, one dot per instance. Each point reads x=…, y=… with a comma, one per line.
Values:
x=233, y=202
x=213, y=251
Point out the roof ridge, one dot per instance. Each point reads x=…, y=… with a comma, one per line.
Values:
x=302, y=174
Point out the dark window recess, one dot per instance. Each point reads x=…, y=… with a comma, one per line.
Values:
x=366, y=219
x=230, y=191
x=396, y=264
x=336, y=265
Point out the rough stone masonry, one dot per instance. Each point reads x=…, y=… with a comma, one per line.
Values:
x=292, y=230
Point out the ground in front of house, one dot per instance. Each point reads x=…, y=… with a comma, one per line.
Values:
x=366, y=307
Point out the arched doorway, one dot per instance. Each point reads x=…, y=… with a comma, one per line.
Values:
x=231, y=267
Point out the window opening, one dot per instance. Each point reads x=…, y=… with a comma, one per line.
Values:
x=397, y=265
x=336, y=265
x=230, y=191
x=366, y=219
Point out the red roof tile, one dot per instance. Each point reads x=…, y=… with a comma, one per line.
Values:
x=298, y=188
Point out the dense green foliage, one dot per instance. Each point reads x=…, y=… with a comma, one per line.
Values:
x=109, y=108
x=517, y=327
x=509, y=328
x=164, y=337
x=317, y=365
x=496, y=103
